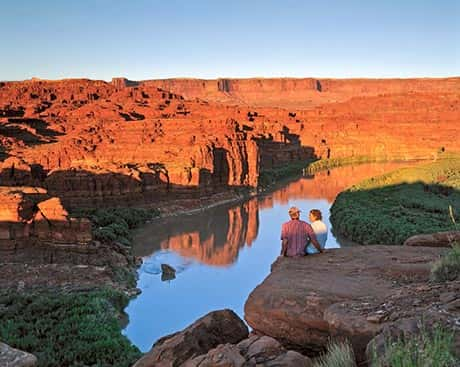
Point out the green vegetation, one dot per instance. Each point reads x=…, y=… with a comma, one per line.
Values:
x=427, y=350
x=339, y=354
x=114, y=224
x=448, y=267
x=68, y=329
x=390, y=208
x=323, y=164
x=268, y=177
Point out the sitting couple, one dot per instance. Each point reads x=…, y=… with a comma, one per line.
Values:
x=300, y=238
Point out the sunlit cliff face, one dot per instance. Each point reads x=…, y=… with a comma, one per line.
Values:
x=97, y=142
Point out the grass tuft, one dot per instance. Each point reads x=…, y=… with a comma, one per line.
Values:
x=426, y=350
x=339, y=354
x=447, y=268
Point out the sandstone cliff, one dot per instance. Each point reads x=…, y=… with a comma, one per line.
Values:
x=97, y=143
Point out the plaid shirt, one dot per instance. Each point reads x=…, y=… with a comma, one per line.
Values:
x=297, y=233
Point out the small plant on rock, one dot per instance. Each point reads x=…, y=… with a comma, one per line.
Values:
x=447, y=268
x=339, y=354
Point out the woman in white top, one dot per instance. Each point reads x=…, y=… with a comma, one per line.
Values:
x=320, y=230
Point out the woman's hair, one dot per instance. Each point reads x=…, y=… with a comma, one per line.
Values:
x=316, y=213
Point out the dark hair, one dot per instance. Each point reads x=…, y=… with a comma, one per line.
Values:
x=316, y=213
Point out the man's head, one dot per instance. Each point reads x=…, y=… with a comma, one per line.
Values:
x=294, y=212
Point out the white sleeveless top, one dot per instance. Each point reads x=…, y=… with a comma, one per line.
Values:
x=320, y=230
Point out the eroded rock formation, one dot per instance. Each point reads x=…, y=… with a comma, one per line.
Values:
x=350, y=292
x=220, y=339
x=97, y=143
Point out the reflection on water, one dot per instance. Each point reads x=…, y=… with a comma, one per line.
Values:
x=221, y=254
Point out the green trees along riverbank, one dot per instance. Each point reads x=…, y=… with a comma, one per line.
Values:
x=390, y=208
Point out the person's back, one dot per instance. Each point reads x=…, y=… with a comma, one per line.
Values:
x=320, y=229
x=295, y=234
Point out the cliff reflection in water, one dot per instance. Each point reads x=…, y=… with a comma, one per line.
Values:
x=215, y=236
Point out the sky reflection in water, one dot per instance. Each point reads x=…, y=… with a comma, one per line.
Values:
x=222, y=254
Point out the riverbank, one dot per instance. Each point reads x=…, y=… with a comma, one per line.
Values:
x=65, y=303
x=393, y=207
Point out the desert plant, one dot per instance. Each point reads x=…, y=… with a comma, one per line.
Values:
x=339, y=354
x=448, y=266
x=428, y=349
x=68, y=329
x=390, y=208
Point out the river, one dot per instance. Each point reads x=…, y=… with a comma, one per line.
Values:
x=221, y=254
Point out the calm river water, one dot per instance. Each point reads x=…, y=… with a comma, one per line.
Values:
x=222, y=254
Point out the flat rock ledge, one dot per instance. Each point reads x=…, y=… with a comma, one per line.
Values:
x=351, y=293
x=11, y=357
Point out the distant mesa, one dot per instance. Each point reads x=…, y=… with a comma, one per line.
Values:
x=120, y=82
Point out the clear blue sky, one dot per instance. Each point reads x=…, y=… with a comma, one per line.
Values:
x=143, y=39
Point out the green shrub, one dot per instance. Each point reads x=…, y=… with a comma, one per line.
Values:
x=427, y=350
x=270, y=176
x=390, y=208
x=324, y=164
x=104, y=234
x=68, y=329
x=114, y=224
x=339, y=354
x=448, y=267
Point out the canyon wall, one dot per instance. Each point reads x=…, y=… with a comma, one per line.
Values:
x=298, y=92
x=144, y=142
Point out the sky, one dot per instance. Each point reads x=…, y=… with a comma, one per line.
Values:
x=150, y=39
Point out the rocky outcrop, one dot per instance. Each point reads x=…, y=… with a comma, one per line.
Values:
x=29, y=217
x=342, y=293
x=255, y=351
x=440, y=239
x=220, y=339
x=10, y=357
x=218, y=327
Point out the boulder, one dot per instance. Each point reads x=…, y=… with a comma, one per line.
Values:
x=217, y=327
x=440, y=239
x=341, y=293
x=224, y=355
x=254, y=351
x=11, y=357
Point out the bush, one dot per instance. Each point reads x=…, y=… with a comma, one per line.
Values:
x=114, y=224
x=448, y=267
x=390, y=208
x=427, y=350
x=268, y=177
x=68, y=329
x=339, y=354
